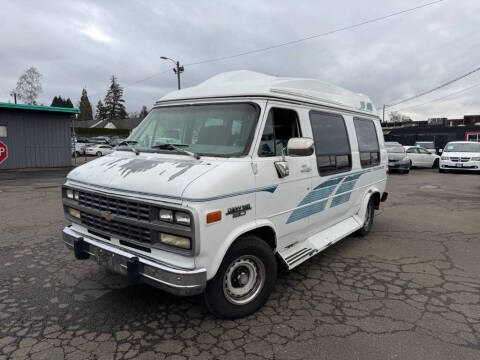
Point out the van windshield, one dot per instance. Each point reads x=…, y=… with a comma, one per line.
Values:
x=463, y=147
x=224, y=130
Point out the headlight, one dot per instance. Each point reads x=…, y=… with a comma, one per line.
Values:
x=74, y=213
x=476, y=158
x=173, y=240
x=182, y=218
x=445, y=157
x=70, y=193
x=166, y=215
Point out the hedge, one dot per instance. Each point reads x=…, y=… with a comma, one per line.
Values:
x=102, y=132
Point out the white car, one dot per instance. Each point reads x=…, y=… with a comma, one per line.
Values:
x=263, y=169
x=427, y=145
x=420, y=157
x=460, y=155
x=78, y=149
x=98, y=149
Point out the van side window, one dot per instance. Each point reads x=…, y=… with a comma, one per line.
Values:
x=281, y=125
x=332, y=147
x=367, y=142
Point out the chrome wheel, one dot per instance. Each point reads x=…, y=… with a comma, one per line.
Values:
x=244, y=279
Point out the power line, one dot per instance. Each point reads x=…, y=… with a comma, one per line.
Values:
x=435, y=88
x=441, y=98
x=314, y=36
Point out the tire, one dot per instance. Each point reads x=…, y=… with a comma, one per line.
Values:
x=99, y=153
x=250, y=254
x=435, y=164
x=77, y=153
x=411, y=164
x=368, y=221
x=406, y=171
x=441, y=170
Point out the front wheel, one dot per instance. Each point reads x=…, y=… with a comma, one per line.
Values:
x=435, y=164
x=99, y=153
x=441, y=170
x=244, y=280
x=368, y=221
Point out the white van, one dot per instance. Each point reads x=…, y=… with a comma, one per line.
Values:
x=460, y=155
x=224, y=181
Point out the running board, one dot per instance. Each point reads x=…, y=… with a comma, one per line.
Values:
x=304, y=250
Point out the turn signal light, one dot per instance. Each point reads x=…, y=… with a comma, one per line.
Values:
x=214, y=217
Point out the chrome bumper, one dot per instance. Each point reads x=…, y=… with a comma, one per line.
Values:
x=137, y=268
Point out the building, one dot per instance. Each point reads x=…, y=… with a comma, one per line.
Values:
x=36, y=136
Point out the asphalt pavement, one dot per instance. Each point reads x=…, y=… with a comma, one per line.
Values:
x=409, y=290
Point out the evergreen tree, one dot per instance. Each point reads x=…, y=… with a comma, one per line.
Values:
x=68, y=103
x=114, y=107
x=55, y=101
x=101, y=113
x=85, y=107
x=143, y=112
x=58, y=101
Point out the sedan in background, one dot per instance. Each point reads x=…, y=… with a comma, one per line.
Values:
x=99, y=150
x=78, y=149
x=460, y=155
x=427, y=145
x=397, y=159
x=419, y=157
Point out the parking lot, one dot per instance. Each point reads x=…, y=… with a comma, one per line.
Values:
x=409, y=290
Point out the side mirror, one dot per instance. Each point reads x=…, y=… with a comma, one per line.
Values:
x=300, y=147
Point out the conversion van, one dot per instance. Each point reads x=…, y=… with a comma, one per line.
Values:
x=225, y=181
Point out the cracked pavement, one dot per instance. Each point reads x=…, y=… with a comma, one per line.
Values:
x=409, y=290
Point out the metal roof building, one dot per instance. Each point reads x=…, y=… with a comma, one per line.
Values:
x=35, y=136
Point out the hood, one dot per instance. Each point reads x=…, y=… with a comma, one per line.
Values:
x=396, y=156
x=162, y=176
x=460, y=154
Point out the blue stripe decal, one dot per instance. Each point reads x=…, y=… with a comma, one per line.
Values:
x=306, y=211
x=316, y=195
x=341, y=199
x=329, y=182
x=270, y=189
x=346, y=186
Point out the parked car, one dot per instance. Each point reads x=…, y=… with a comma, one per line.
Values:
x=419, y=157
x=392, y=143
x=397, y=159
x=78, y=149
x=460, y=155
x=427, y=145
x=265, y=169
x=98, y=149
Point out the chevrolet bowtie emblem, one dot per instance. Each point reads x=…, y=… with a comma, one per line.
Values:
x=107, y=216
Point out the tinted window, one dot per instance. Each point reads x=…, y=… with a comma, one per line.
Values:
x=367, y=142
x=332, y=147
x=412, y=151
x=281, y=125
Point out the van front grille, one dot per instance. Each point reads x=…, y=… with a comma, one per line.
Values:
x=114, y=227
x=115, y=206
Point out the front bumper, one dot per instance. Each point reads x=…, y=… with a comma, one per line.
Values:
x=138, y=269
x=398, y=165
x=451, y=165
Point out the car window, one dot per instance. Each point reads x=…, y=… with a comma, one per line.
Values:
x=367, y=142
x=332, y=147
x=412, y=151
x=423, y=151
x=281, y=125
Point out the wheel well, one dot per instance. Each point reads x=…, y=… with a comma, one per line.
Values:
x=376, y=200
x=267, y=234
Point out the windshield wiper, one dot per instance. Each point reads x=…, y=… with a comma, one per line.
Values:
x=176, y=147
x=128, y=143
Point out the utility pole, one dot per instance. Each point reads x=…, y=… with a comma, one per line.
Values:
x=383, y=118
x=178, y=69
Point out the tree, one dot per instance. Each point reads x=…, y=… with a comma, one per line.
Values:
x=85, y=107
x=28, y=86
x=143, y=112
x=114, y=107
x=58, y=101
x=101, y=113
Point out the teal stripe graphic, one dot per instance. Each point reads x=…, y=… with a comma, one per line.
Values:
x=306, y=211
x=341, y=199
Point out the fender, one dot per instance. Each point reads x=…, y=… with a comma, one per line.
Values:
x=231, y=238
x=366, y=198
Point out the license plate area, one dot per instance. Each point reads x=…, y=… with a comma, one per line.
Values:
x=391, y=163
x=111, y=261
x=459, y=165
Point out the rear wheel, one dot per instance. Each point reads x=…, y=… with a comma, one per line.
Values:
x=368, y=220
x=244, y=280
x=99, y=153
x=406, y=171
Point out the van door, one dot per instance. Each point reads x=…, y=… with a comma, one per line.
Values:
x=279, y=200
x=331, y=182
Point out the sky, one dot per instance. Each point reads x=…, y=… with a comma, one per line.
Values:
x=77, y=44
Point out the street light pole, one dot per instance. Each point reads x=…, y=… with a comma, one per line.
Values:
x=178, y=69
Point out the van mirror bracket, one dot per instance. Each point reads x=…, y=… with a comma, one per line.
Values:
x=282, y=168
